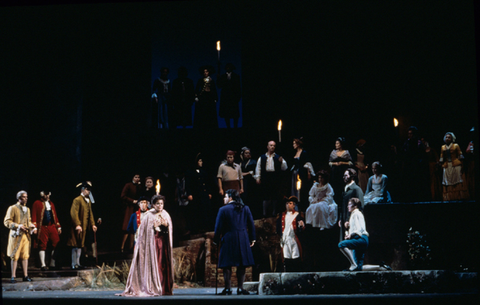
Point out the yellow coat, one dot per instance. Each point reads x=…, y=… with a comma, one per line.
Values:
x=81, y=213
x=455, y=153
x=13, y=219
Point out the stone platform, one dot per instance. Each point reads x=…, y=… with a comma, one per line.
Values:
x=344, y=282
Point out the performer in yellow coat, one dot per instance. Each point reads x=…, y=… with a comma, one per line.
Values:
x=19, y=222
x=82, y=220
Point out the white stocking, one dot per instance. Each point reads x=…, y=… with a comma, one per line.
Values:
x=52, y=261
x=41, y=253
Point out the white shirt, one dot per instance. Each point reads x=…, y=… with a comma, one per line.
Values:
x=357, y=223
x=270, y=166
x=48, y=206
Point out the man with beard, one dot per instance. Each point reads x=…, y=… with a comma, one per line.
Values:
x=352, y=190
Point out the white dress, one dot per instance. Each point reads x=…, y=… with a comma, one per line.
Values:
x=322, y=212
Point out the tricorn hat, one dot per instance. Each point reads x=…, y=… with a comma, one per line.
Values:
x=45, y=192
x=85, y=184
x=292, y=199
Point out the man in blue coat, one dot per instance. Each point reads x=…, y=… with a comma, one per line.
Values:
x=236, y=229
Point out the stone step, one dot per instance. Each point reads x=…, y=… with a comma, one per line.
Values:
x=345, y=282
x=251, y=286
x=40, y=284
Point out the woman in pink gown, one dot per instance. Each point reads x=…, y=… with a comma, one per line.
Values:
x=151, y=271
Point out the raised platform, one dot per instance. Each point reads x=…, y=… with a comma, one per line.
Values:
x=344, y=282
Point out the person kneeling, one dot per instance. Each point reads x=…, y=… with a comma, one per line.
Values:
x=356, y=240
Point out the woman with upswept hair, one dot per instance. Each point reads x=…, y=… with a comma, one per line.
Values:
x=340, y=160
x=322, y=212
x=151, y=271
x=451, y=159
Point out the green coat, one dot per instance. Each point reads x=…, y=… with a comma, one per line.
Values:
x=81, y=213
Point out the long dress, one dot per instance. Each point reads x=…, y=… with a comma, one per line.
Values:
x=151, y=271
x=454, y=183
x=322, y=212
x=361, y=170
x=249, y=195
x=301, y=167
x=377, y=190
x=205, y=108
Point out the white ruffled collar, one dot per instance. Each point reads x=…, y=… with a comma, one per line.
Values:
x=321, y=188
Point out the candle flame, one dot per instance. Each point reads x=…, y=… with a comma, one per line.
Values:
x=299, y=183
x=395, y=122
x=280, y=125
x=218, y=45
x=157, y=187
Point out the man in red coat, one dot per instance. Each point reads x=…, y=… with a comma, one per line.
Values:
x=44, y=217
x=289, y=225
x=129, y=197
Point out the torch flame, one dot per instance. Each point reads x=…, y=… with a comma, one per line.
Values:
x=218, y=45
x=280, y=125
x=157, y=187
x=299, y=183
x=395, y=122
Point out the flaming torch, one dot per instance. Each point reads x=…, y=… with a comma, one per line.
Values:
x=299, y=186
x=279, y=131
x=157, y=187
x=218, y=56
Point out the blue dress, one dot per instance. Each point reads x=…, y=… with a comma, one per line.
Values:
x=237, y=230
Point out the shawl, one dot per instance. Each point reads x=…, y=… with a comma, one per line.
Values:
x=143, y=278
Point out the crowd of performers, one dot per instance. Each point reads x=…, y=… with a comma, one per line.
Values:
x=326, y=198
x=172, y=101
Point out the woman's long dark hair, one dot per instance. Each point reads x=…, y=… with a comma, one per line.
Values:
x=236, y=198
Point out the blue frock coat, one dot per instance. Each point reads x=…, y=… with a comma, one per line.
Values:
x=238, y=231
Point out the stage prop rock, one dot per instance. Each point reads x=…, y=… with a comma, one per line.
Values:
x=419, y=281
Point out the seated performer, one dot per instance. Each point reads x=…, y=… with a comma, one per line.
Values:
x=377, y=186
x=137, y=217
x=235, y=229
x=151, y=271
x=289, y=225
x=322, y=212
x=44, y=217
x=355, y=243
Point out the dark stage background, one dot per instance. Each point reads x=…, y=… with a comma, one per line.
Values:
x=76, y=86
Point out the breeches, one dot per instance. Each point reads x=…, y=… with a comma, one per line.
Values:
x=23, y=251
x=358, y=245
x=48, y=233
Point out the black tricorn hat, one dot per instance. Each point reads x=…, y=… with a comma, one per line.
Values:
x=292, y=199
x=45, y=192
x=85, y=184
x=210, y=69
